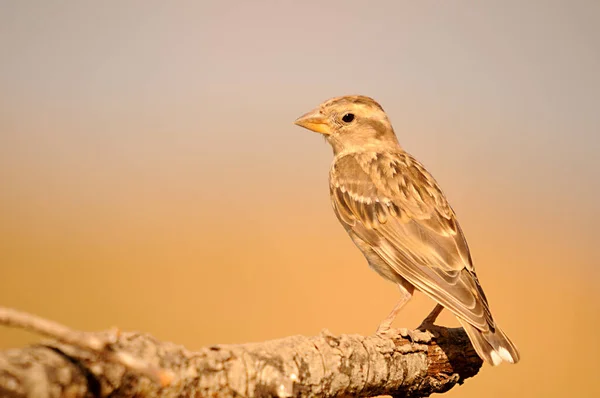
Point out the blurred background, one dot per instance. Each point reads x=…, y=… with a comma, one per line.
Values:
x=152, y=179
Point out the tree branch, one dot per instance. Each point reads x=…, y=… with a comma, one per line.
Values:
x=83, y=364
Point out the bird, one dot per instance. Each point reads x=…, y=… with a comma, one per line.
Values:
x=397, y=215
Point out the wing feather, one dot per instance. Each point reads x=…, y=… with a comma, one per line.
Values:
x=394, y=205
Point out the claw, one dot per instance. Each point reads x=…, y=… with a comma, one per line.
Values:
x=386, y=331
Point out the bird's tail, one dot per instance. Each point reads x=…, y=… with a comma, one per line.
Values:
x=492, y=347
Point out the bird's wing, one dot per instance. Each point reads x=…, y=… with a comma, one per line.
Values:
x=394, y=205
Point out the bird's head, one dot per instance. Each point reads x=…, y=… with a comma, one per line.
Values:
x=351, y=123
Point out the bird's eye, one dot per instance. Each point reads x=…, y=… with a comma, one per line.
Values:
x=348, y=117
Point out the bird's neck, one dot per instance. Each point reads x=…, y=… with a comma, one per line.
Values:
x=347, y=147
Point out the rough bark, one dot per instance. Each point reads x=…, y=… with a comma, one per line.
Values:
x=402, y=364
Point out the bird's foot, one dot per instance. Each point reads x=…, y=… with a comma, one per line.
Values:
x=428, y=322
x=385, y=331
x=425, y=326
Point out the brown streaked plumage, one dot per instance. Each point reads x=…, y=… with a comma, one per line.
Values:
x=397, y=215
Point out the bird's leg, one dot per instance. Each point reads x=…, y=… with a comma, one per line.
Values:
x=386, y=324
x=430, y=319
x=406, y=292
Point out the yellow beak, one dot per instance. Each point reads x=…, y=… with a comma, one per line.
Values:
x=314, y=121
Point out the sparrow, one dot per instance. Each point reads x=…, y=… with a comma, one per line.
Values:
x=399, y=218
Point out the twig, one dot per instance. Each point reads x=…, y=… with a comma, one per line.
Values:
x=100, y=344
x=34, y=323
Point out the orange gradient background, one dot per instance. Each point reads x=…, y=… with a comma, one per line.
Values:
x=152, y=179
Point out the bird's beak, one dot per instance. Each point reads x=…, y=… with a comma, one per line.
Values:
x=314, y=121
